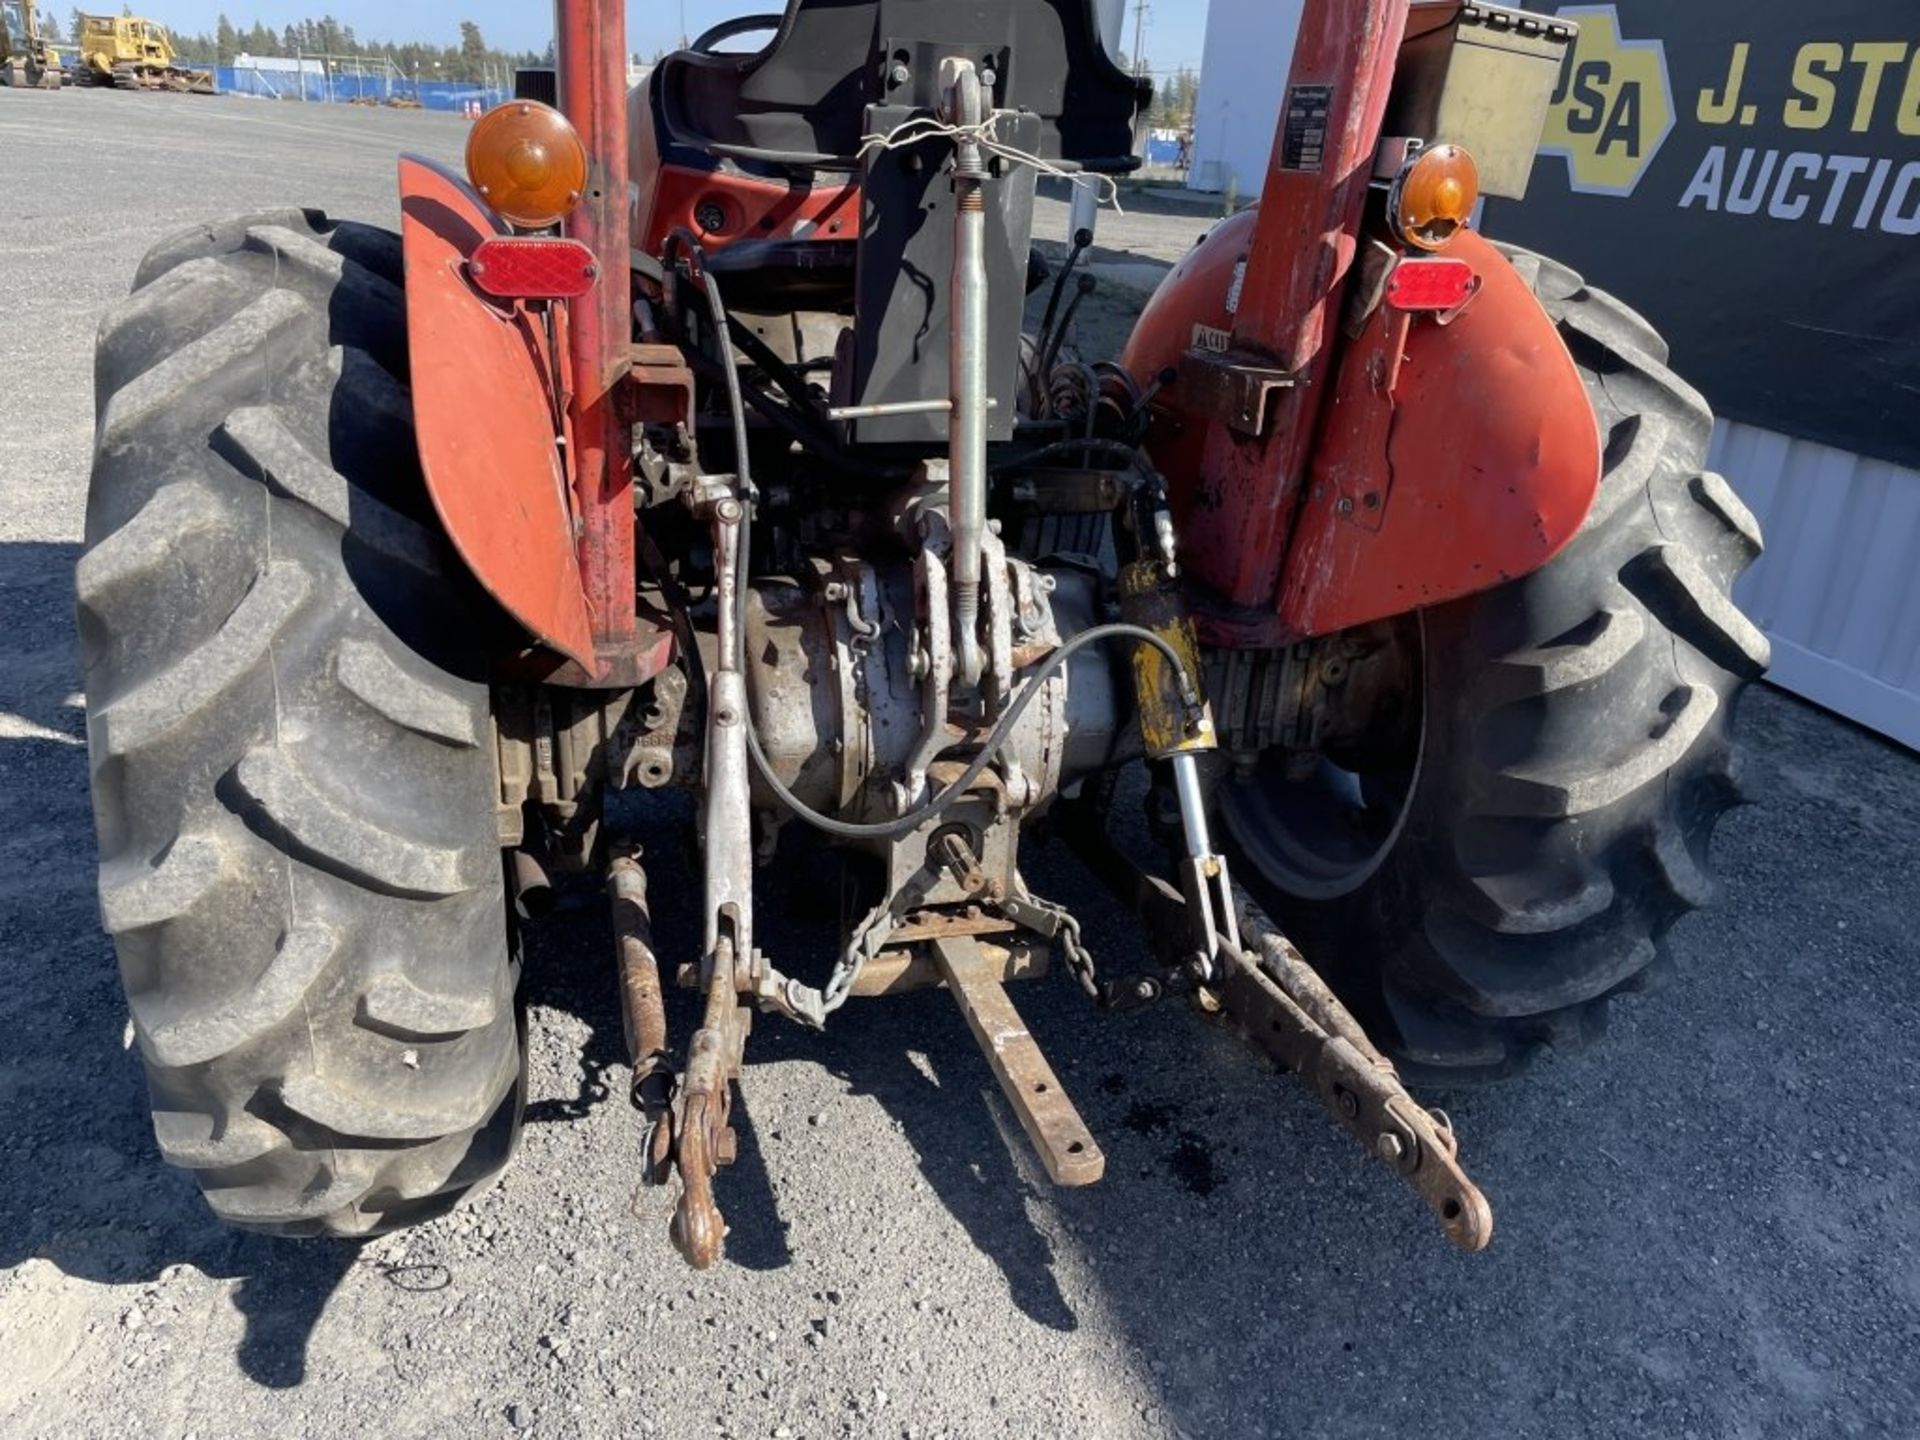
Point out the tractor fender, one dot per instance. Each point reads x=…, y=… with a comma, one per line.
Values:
x=484, y=387
x=1450, y=456
x=1453, y=455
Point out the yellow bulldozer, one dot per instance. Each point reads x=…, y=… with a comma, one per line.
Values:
x=28, y=60
x=130, y=53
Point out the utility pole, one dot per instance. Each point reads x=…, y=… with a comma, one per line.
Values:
x=1139, y=33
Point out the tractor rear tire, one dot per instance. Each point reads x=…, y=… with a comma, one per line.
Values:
x=290, y=741
x=1574, y=752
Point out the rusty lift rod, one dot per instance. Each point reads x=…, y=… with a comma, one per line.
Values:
x=643, y=1013
x=642, y=1006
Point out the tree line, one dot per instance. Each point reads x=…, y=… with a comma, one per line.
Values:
x=470, y=61
x=1174, y=97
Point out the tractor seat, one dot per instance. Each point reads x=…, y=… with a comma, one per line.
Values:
x=801, y=101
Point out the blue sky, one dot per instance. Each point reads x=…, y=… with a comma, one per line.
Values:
x=1175, y=28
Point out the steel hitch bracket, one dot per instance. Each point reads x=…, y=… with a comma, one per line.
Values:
x=977, y=981
x=1061, y=1138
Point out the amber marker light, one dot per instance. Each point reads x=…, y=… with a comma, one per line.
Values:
x=528, y=164
x=1434, y=196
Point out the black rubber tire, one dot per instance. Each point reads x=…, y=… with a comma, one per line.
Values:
x=288, y=724
x=1576, y=751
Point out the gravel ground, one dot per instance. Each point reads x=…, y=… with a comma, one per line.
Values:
x=1707, y=1225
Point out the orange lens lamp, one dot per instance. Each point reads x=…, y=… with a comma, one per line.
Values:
x=1433, y=197
x=528, y=164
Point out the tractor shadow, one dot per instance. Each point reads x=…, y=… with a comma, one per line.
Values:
x=937, y=1089
x=81, y=1183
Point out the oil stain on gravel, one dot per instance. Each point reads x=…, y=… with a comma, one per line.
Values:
x=1191, y=1160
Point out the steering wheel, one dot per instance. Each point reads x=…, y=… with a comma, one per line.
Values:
x=729, y=29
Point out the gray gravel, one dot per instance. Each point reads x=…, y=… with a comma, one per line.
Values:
x=1707, y=1226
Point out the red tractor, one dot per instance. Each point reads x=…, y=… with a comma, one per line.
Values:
x=697, y=437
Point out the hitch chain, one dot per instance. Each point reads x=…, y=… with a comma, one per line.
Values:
x=1079, y=958
x=1027, y=910
x=1057, y=922
x=1132, y=992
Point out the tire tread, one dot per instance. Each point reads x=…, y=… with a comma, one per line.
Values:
x=286, y=709
x=1579, y=750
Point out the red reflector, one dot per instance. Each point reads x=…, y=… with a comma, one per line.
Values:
x=531, y=267
x=1431, y=285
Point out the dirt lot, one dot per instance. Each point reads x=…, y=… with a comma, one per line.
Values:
x=1707, y=1226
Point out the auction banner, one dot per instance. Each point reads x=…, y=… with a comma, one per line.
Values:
x=1746, y=173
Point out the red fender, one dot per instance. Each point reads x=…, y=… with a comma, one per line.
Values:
x=1449, y=457
x=483, y=381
